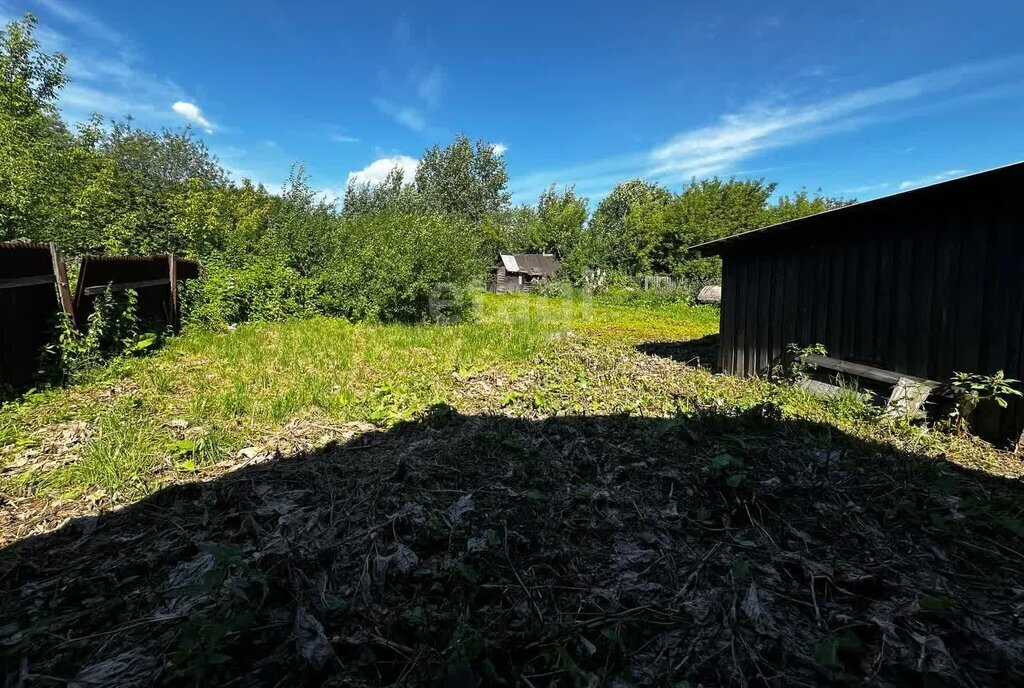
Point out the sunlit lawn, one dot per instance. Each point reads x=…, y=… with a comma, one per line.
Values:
x=234, y=388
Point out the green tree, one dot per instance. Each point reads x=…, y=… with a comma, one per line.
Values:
x=628, y=225
x=36, y=150
x=561, y=218
x=393, y=194
x=29, y=78
x=463, y=179
x=507, y=231
x=705, y=210
x=802, y=204
x=305, y=228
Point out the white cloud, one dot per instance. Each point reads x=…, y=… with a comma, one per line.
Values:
x=429, y=88
x=499, y=148
x=940, y=177
x=341, y=138
x=82, y=20
x=406, y=116
x=739, y=136
x=192, y=113
x=378, y=170
x=867, y=188
x=107, y=73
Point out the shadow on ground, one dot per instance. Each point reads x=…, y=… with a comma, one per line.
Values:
x=718, y=548
x=701, y=352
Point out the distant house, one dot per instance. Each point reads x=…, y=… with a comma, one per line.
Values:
x=521, y=271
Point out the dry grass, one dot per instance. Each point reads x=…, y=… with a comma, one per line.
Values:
x=541, y=501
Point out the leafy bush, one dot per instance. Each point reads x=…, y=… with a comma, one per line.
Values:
x=113, y=330
x=971, y=389
x=403, y=267
x=795, y=367
x=261, y=290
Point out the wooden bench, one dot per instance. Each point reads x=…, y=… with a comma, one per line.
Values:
x=909, y=393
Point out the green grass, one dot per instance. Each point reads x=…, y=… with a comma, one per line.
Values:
x=205, y=396
x=591, y=449
x=234, y=389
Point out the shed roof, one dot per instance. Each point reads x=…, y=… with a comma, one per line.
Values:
x=535, y=264
x=719, y=246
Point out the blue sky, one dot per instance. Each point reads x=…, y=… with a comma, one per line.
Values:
x=858, y=99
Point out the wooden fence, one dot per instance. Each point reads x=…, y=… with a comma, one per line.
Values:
x=34, y=291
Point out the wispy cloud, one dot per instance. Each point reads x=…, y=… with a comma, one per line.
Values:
x=736, y=137
x=409, y=88
x=429, y=87
x=867, y=188
x=932, y=179
x=407, y=116
x=192, y=113
x=499, y=148
x=742, y=135
x=341, y=138
x=84, y=21
x=108, y=75
x=377, y=171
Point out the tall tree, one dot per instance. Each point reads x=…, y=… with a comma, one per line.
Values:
x=29, y=78
x=35, y=146
x=628, y=225
x=561, y=217
x=507, y=231
x=463, y=179
x=705, y=210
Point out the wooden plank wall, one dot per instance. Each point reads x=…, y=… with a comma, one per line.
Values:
x=925, y=284
x=33, y=289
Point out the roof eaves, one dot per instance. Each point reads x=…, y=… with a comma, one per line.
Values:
x=715, y=247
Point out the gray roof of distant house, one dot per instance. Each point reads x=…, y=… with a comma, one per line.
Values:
x=534, y=264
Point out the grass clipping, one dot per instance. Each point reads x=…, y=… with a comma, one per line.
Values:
x=721, y=546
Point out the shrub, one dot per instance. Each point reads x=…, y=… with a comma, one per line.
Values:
x=263, y=290
x=971, y=389
x=403, y=267
x=113, y=330
x=795, y=366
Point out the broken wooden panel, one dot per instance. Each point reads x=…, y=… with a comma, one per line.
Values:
x=154, y=278
x=33, y=292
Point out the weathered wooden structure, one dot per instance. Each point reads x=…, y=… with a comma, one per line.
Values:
x=925, y=282
x=154, y=278
x=33, y=291
x=521, y=271
x=712, y=293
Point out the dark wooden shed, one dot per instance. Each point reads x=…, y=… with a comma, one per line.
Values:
x=520, y=271
x=925, y=282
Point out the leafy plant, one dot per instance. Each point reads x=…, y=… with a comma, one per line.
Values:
x=796, y=367
x=971, y=389
x=112, y=331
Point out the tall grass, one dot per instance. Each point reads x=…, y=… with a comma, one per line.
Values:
x=233, y=388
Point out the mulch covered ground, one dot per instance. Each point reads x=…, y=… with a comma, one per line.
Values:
x=718, y=548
